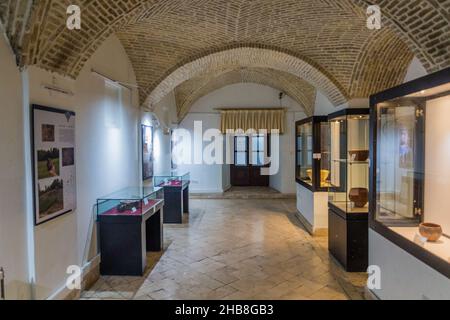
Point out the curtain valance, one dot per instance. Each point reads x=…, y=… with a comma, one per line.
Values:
x=256, y=119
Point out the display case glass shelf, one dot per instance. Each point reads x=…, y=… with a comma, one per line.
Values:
x=349, y=160
x=172, y=180
x=312, y=153
x=133, y=201
x=410, y=173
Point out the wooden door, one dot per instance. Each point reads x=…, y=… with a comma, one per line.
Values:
x=249, y=158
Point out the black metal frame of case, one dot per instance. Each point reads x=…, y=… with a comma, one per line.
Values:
x=316, y=121
x=428, y=82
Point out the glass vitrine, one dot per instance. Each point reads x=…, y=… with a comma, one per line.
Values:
x=411, y=170
x=311, y=146
x=133, y=201
x=349, y=160
x=174, y=179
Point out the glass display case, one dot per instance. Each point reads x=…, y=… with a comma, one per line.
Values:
x=311, y=148
x=348, y=193
x=172, y=180
x=130, y=224
x=133, y=201
x=349, y=160
x=176, y=195
x=410, y=174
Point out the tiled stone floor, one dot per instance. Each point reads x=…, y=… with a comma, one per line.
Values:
x=237, y=249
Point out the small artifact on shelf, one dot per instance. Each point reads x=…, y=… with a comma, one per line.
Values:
x=309, y=173
x=431, y=231
x=324, y=175
x=127, y=206
x=359, y=196
x=359, y=155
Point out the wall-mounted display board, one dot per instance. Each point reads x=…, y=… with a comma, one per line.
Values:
x=311, y=170
x=147, y=152
x=53, y=154
x=410, y=172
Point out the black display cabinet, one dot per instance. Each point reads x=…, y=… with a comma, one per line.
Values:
x=311, y=156
x=176, y=196
x=130, y=225
x=410, y=172
x=348, y=209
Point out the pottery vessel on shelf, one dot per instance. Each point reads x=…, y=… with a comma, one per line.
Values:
x=324, y=175
x=309, y=173
x=360, y=196
x=431, y=231
x=359, y=155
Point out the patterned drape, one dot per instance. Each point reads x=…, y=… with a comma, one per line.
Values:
x=257, y=119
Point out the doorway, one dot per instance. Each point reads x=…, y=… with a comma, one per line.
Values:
x=249, y=157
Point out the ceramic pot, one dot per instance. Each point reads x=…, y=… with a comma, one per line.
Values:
x=360, y=196
x=324, y=175
x=431, y=231
x=309, y=173
x=359, y=155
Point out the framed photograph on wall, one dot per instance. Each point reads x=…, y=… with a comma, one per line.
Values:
x=53, y=162
x=147, y=152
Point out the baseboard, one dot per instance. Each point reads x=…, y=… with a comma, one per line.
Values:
x=369, y=295
x=315, y=232
x=90, y=275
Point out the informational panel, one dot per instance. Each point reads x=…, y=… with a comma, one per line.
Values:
x=147, y=152
x=53, y=162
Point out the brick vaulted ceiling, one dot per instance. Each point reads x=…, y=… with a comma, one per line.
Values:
x=193, y=89
x=324, y=42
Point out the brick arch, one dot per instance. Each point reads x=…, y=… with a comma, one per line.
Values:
x=190, y=91
x=249, y=57
x=381, y=48
x=157, y=35
x=424, y=26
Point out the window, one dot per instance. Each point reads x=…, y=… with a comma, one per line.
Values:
x=258, y=150
x=241, y=151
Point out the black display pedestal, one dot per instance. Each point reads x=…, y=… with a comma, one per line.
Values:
x=176, y=203
x=348, y=238
x=125, y=240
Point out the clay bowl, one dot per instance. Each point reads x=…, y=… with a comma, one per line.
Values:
x=360, y=196
x=324, y=175
x=431, y=231
x=359, y=155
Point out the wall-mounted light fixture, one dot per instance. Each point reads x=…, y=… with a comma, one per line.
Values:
x=128, y=86
x=53, y=88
